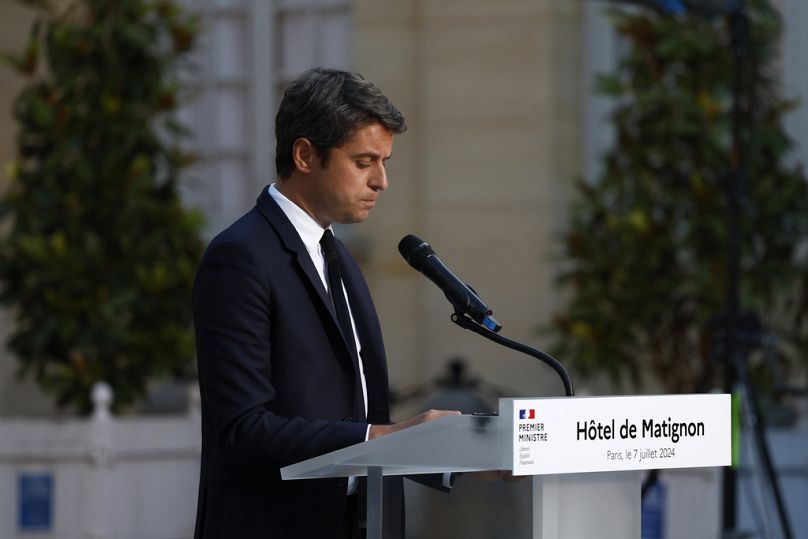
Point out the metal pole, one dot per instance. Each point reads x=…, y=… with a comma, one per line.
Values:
x=375, y=499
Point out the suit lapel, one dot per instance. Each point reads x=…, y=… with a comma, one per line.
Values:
x=292, y=242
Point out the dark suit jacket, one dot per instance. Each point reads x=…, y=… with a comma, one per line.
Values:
x=278, y=382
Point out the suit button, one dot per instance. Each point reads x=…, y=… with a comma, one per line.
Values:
x=349, y=419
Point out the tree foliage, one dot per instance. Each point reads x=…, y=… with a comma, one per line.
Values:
x=645, y=252
x=98, y=254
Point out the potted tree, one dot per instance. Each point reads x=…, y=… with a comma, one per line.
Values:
x=645, y=251
x=97, y=254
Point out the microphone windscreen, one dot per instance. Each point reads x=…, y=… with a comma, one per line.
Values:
x=414, y=250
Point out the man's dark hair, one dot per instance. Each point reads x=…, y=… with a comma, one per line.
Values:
x=327, y=106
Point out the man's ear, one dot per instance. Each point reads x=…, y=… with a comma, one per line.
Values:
x=303, y=155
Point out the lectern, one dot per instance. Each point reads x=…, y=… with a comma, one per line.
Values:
x=585, y=455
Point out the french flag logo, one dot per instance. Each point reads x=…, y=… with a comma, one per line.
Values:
x=527, y=414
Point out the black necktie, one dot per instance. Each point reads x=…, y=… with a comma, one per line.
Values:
x=329, y=245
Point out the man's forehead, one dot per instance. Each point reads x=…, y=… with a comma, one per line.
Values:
x=371, y=139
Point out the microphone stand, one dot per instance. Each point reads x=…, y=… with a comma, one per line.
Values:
x=465, y=322
x=737, y=332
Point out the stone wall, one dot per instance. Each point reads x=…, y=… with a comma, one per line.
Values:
x=491, y=92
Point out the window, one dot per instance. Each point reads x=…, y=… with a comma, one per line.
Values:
x=601, y=55
x=246, y=52
x=794, y=75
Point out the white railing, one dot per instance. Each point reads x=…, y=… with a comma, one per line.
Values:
x=111, y=477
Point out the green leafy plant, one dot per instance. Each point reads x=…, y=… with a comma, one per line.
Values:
x=98, y=254
x=645, y=253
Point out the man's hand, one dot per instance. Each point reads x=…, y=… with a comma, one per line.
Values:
x=431, y=415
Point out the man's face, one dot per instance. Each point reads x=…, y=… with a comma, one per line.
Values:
x=345, y=188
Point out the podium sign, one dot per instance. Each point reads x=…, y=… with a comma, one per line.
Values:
x=609, y=434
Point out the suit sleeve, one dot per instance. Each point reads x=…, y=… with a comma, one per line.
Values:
x=232, y=309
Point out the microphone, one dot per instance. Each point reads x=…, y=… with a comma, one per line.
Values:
x=420, y=256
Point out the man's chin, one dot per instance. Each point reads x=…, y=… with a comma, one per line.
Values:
x=358, y=217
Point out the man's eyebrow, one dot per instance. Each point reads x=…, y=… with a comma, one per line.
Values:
x=370, y=155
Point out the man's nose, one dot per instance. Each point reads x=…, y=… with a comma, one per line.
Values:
x=379, y=179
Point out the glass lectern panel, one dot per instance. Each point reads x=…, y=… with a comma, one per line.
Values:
x=462, y=443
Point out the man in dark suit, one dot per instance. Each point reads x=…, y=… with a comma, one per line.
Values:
x=290, y=353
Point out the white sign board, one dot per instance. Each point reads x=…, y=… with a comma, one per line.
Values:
x=600, y=434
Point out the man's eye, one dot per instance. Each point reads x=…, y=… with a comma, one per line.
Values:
x=363, y=164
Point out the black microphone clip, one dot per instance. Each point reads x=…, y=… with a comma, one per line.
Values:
x=487, y=320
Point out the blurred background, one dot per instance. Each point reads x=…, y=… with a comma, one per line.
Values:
x=567, y=162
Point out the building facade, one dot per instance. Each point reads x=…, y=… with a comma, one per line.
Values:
x=501, y=116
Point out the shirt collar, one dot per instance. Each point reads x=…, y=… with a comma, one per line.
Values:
x=307, y=228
